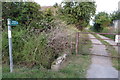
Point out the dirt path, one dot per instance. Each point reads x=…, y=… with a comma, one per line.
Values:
x=111, y=42
x=101, y=67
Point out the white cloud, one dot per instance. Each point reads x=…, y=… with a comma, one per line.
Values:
x=107, y=5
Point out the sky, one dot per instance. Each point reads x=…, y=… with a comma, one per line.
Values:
x=102, y=5
x=107, y=5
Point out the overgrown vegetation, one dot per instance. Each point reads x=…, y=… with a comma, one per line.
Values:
x=29, y=40
x=41, y=37
x=73, y=67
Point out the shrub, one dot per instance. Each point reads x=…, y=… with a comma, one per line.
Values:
x=40, y=49
x=36, y=52
x=118, y=31
x=17, y=43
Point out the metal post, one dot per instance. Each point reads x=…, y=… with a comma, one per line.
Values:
x=10, y=45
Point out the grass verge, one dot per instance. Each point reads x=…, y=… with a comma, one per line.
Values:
x=75, y=68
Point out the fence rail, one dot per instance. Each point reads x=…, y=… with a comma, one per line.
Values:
x=101, y=44
x=97, y=33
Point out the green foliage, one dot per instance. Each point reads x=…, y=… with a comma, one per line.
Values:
x=31, y=48
x=48, y=12
x=24, y=13
x=97, y=27
x=78, y=13
x=29, y=51
x=101, y=21
x=28, y=14
x=4, y=47
x=56, y=5
x=37, y=52
x=106, y=30
x=24, y=38
x=115, y=15
x=17, y=40
x=118, y=31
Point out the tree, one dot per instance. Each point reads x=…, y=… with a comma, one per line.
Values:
x=101, y=20
x=115, y=15
x=23, y=12
x=55, y=5
x=78, y=13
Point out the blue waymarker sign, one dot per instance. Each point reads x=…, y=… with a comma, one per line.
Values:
x=13, y=23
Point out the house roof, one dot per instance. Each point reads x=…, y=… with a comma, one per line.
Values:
x=46, y=7
x=116, y=20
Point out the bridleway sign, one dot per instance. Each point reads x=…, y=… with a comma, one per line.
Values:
x=13, y=23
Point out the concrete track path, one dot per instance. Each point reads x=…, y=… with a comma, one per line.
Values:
x=101, y=67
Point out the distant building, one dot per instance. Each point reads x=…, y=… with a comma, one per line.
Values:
x=119, y=6
x=53, y=9
x=116, y=25
x=46, y=7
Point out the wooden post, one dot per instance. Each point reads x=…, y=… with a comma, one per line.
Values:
x=71, y=46
x=77, y=42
